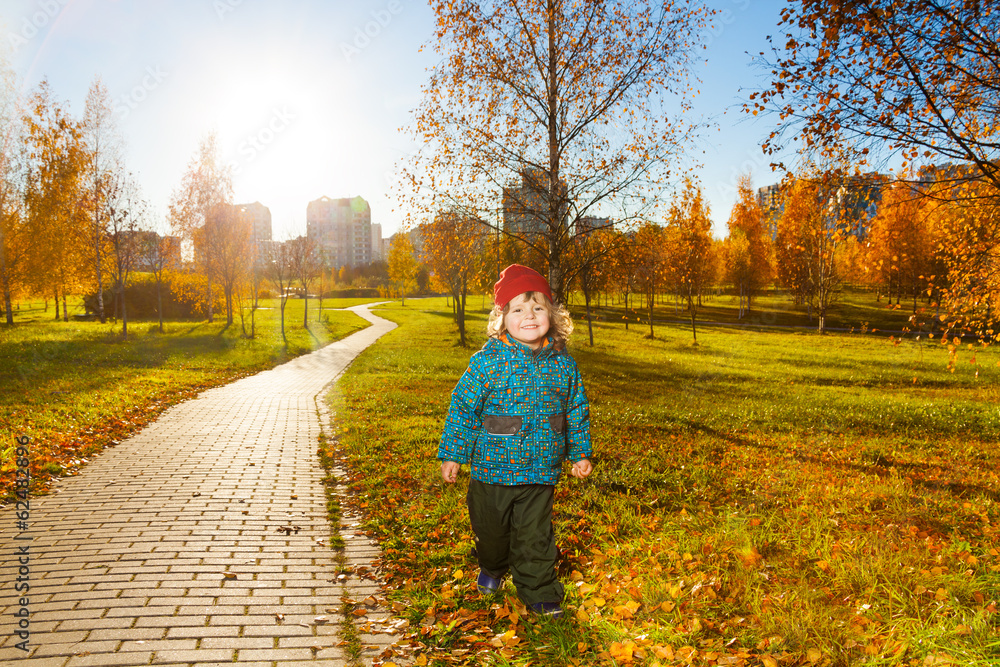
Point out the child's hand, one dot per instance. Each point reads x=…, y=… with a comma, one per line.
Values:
x=449, y=471
x=581, y=468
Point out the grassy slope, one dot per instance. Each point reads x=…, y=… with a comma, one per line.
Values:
x=762, y=496
x=73, y=387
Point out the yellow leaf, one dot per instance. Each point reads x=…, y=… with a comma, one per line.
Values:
x=459, y=574
x=813, y=655
x=622, y=652
x=941, y=595
x=768, y=660
x=421, y=660
x=664, y=652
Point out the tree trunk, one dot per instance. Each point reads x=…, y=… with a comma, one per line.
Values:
x=124, y=316
x=283, y=319
x=590, y=321
x=5, y=279
x=319, y=313
x=210, y=308
x=651, y=301
x=459, y=297
x=159, y=301
x=694, y=313
x=100, y=278
x=55, y=292
x=305, y=307
x=555, y=195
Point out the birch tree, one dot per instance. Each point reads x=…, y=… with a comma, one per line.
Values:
x=749, y=247
x=453, y=244
x=54, y=218
x=102, y=155
x=206, y=183
x=562, y=109
x=13, y=237
x=304, y=256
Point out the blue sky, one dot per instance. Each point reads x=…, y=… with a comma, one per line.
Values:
x=308, y=96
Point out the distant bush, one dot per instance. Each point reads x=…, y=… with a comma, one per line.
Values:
x=352, y=293
x=183, y=297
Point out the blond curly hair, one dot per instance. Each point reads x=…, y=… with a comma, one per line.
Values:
x=560, y=323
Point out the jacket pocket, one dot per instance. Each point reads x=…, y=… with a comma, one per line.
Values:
x=558, y=423
x=502, y=424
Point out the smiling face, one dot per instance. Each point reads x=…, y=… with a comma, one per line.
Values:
x=527, y=321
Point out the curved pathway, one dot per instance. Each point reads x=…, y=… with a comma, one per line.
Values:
x=201, y=540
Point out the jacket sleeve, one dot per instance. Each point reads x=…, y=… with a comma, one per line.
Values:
x=462, y=426
x=577, y=420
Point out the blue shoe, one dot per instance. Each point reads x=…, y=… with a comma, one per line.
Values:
x=550, y=609
x=488, y=584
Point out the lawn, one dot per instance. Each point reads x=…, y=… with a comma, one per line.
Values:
x=766, y=497
x=73, y=387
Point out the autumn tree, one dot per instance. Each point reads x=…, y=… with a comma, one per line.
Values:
x=305, y=259
x=912, y=77
x=916, y=79
x=650, y=249
x=161, y=253
x=811, y=232
x=901, y=242
x=690, y=259
x=126, y=225
x=278, y=269
x=748, y=248
x=555, y=110
x=13, y=235
x=102, y=156
x=452, y=248
x=402, y=264
x=53, y=193
x=967, y=225
x=593, y=254
x=206, y=183
x=624, y=261
x=226, y=243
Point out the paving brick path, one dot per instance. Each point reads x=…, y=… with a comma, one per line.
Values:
x=169, y=548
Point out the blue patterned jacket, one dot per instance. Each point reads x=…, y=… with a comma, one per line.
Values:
x=516, y=414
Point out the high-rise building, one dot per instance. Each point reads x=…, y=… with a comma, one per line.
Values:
x=588, y=223
x=526, y=205
x=260, y=216
x=378, y=253
x=342, y=230
x=857, y=199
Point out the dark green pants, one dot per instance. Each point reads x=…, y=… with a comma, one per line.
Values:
x=513, y=527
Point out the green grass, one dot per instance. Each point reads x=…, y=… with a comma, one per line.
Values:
x=761, y=496
x=74, y=386
x=852, y=310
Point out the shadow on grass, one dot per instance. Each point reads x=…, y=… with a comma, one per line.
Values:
x=880, y=466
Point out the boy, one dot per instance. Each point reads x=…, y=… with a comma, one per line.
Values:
x=516, y=414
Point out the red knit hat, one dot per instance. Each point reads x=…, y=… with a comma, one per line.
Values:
x=517, y=279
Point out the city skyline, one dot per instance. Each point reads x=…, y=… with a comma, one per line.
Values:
x=307, y=97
